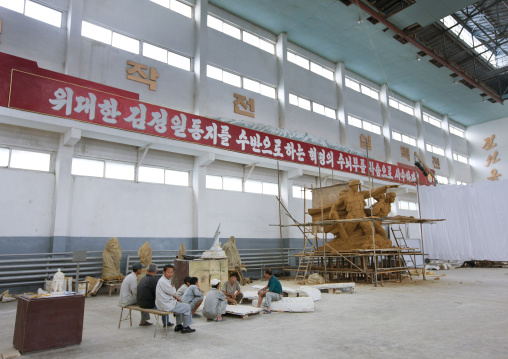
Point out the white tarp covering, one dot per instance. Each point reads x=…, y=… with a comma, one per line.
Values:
x=476, y=225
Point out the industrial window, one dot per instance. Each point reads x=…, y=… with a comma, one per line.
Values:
x=401, y=106
x=457, y=132
x=310, y=65
x=432, y=120
x=240, y=34
x=35, y=11
x=87, y=167
x=166, y=56
x=407, y=205
x=460, y=183
x=237, y=80
x=435, y=149
x=362, y=88
x=43, y=13
x=397, y=136
x=225, y=183
x=366, y=125
x=26, y=160
x=298, y=192
x=119, y=170
x=176, y=6
x=126, y=43
x=261, y=187
x=441, y=179
x=460, y=158
x=163, y=176
x=312, y=106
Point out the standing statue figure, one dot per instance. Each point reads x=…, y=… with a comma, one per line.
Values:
x=382, y=208
x=352, y=202
x=58, y=281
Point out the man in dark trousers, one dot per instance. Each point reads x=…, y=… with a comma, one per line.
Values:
x=146, y=291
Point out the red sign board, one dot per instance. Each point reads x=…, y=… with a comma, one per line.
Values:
x=36, y=93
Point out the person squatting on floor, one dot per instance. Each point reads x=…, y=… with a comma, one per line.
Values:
x=215, y=302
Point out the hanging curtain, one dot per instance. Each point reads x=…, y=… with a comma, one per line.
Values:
x=476, y=225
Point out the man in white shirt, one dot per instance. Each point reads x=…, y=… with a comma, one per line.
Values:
x=129, y=291
x=165, y=300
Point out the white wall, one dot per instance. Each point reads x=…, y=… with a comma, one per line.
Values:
x=476, y=136
x=106, y=207
x=27, y=203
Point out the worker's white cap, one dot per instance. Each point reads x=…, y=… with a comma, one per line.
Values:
x=214, y=282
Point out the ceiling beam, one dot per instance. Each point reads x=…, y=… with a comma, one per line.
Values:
x=461, y=72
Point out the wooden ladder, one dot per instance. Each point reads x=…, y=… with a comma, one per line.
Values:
x=400, y=240
x=304, y=262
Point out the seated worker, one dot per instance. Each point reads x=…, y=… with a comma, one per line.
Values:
x=181, y=291
x=129, y=290
x=215, y=302
x=272, y=291
x=193, y=296
x=232, y=290
x=166, y=301
x=146, y=291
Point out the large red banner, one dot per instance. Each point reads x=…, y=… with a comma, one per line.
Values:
x=35, y=93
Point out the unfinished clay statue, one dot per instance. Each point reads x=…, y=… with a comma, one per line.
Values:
x=181, y=252
x=234, y=261
x=111, y=257
x=216, y=251
x=351, y=205
x=58, y=281
x=145, y=258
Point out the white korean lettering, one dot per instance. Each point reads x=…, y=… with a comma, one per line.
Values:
x=243, y=140
x=300, y=154
x=211, y=133
x=255, y=142
x=277, y=149
x=329, y=158
x=266, y=146
x=87, y=105
x=313, y=155
x=159, y=121
x=109, y=110
x=224, y=135
x=137, y=117
x=179, y=125
x=290, y=150
x=196, y=130
x=63, y=98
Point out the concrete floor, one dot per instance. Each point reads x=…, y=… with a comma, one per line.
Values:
x=460, y=315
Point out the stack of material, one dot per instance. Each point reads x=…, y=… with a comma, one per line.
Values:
x=6, y=297
x=111, y=257
x=94, y=285
x=291, y=304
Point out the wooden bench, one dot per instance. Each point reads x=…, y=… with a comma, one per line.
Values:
x=155, y=312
